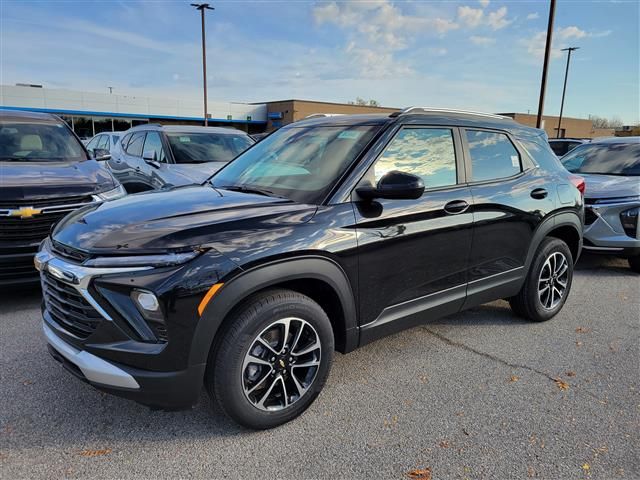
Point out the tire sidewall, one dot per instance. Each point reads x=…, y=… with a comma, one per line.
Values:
x=230, y=356
x=550, y=246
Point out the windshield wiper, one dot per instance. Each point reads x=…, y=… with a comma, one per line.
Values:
x=248, y=189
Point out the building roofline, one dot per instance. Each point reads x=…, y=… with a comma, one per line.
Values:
x=318, y=102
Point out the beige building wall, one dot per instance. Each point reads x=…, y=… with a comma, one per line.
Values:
x=294, y=110
x=570, y=128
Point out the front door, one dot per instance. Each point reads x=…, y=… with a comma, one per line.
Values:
x=413, y=254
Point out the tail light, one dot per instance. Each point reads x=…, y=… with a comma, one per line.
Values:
x=579, y=183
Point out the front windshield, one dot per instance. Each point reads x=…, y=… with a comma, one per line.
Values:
x=38, y=142
x=604, y=158
x=299, y=163
x=207, y=147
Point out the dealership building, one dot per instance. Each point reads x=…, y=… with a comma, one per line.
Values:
x=92, y=113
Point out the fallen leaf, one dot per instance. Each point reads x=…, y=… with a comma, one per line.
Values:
x=423, y=378
x=444, y=444
x=530, y=472
x=586, y=467
x=514, y=378
x=571, y=373
x=562, y=385
x=420, y=474
x=578, y=344
x=95, y=453
x=582, y=330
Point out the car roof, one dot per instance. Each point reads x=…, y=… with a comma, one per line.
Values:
x=9, y=114
x=422, y=116
x=560, y=140
x=188, y=129
x=616, y=140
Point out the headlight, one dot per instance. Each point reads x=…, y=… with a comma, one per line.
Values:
x=113, y=194
x=163, y=260
x=629, y=220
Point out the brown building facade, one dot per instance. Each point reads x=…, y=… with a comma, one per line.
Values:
x=283, y=112
x=570, y=128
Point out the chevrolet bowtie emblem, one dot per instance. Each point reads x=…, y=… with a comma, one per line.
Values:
x=25, y=212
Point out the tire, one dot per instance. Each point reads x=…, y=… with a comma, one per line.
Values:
x=538, y=306
x=250, y=389
x=634, y=263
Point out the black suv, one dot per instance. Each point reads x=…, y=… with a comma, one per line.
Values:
x=328, y=234
x=45, y=173
x=153, y=156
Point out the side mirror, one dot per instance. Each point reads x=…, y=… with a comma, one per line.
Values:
x=394, y=185
x=150, y=158
x=101, y=154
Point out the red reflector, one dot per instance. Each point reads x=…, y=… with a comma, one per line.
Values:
x=579, y=183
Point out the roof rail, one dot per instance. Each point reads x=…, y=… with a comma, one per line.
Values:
x=409, y=110
x=148, y=125
x=317, y=115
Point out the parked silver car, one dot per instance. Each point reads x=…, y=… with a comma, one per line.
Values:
x=105, y=141
x=153, y=156
x=611, y=169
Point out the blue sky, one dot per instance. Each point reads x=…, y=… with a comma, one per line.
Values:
x=484, y=55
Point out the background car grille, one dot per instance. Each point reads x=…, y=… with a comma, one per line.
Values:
x=68, y=308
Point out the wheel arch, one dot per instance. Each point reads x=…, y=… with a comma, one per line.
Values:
x=566, y=226
x=320, y=278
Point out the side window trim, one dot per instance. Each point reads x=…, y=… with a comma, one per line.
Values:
x=469, y=161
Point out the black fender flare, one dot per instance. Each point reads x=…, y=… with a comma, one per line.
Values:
x=264, y=276
x=561, y=219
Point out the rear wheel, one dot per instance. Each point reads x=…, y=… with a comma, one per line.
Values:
x=272, y=360
x=548, y=282
x=634, y=263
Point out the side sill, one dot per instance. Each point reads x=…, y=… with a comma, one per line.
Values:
x=494, y=287
x=413, y=312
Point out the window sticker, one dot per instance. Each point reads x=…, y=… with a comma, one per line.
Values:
x=515, y=161
x=349, y=135
x=184, y=139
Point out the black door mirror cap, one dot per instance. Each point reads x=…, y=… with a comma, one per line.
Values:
x=394, y=185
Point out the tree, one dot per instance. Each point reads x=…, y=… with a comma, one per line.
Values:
x=603, y=122
x=363, y=102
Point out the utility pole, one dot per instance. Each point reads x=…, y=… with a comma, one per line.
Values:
x=202, y=7
x=564, y=89
x=547, y=54
x=110, y=89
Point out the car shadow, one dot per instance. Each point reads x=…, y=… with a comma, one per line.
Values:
x=593, y=261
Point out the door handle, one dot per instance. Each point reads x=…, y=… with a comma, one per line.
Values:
x=539, y=193
x=456, y=206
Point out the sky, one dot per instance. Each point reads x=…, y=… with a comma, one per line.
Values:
x=478, y=55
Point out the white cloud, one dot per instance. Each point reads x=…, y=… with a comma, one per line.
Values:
x=533, y=16
x=470, y=16
x=482, y=41
x=437, y=51
x=570, y=32
x=484, y=3
x=561, y=37
x=496, y=20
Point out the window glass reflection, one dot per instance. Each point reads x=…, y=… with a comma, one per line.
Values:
x=492, y=155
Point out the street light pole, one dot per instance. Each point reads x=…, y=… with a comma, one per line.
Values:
x=202, y=7
x=564, y=89
x=547, y=54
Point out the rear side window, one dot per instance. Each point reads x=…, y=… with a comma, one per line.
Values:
x=492, y=155
x=559, y=148
x=135, y=145
x=426, y=152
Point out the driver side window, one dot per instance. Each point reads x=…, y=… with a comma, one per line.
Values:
x=426, y=152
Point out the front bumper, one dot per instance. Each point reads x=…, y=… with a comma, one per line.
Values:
x=603, y=231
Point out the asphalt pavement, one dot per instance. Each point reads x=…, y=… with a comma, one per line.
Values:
x=481, y=394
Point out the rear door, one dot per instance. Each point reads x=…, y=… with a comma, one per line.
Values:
x=510, y=198
x=413, y=254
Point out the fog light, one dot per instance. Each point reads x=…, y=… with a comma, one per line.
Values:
x=147, y=304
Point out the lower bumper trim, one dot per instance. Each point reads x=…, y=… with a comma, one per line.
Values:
x=93, y=368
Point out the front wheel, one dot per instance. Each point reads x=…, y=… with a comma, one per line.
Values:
x=273, y=359
x=548, y=282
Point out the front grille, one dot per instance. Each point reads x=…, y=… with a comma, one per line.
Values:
x=17, y=267
x=46, y=202
x=589, y=216
x=28, y=230
x=68, y=308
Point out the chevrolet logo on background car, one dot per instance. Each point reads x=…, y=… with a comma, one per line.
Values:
x=25, y=212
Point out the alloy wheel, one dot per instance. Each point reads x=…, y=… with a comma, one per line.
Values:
x=281, y=364
x=553, y=280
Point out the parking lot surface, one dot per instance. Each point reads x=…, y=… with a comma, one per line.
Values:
x=481, y=394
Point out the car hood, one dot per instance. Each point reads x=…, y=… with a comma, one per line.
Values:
x=610, y=186
x=196, y=172
x=174, y=219
x=23, y=181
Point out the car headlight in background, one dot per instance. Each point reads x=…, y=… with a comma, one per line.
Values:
x=112, y=194
x=629, y=220
x=162, y=260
